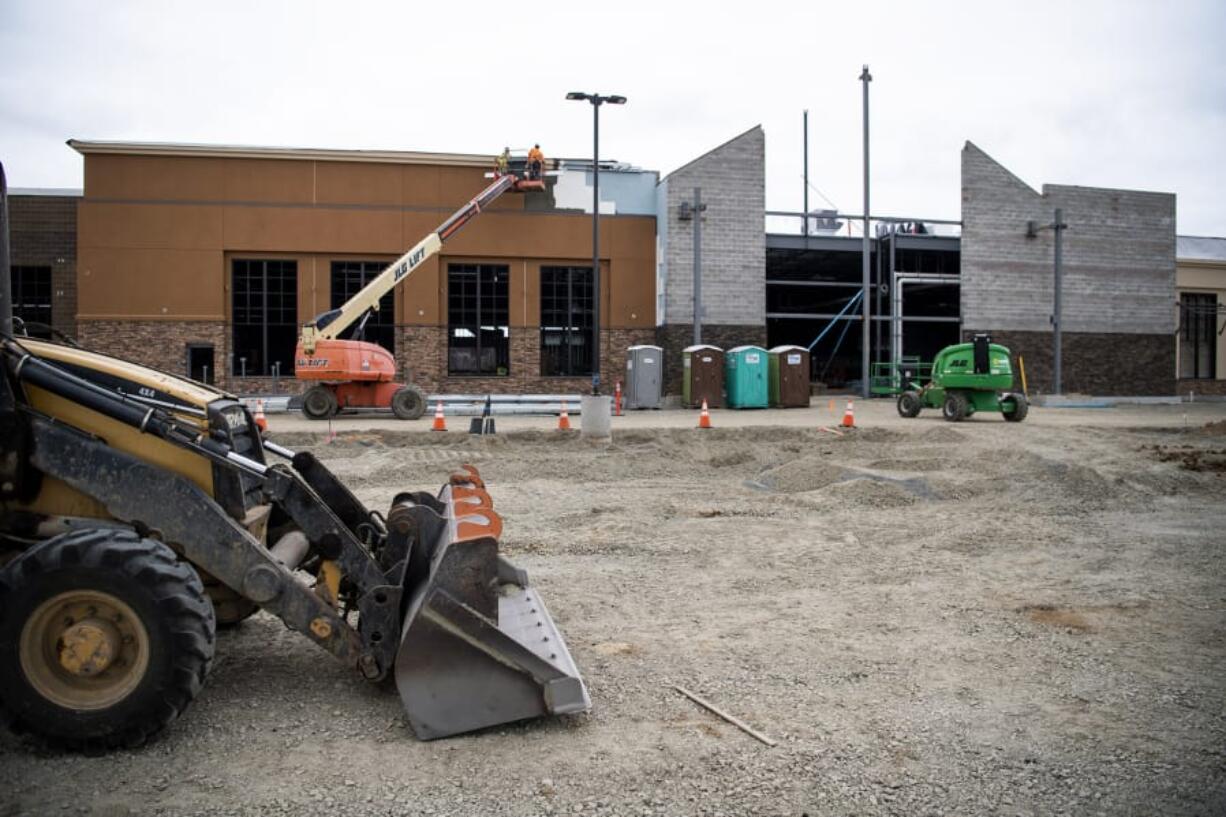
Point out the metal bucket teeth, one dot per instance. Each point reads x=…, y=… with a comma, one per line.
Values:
x=478, y=647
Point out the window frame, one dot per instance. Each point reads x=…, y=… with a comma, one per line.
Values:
x=550, y=365
x=1198, y=335
x=19, y=278
x=286, y=304
x=480, y=308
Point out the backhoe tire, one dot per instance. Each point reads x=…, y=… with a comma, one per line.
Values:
x=409, y=403
x=1021, y=407
x=105, y=638
x=318, y=403
x=909, y=404
x=956, y=407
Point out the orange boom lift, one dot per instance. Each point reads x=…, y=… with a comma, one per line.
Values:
x=355, y=374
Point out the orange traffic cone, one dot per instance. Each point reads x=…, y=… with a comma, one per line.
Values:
x=704, y=419
x=849, y=416
x=563, y=419
x=260, y=420
x=440, y=424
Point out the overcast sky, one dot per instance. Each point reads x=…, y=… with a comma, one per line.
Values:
x=1113, y=94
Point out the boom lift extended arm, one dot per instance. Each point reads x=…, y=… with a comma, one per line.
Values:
x=353, y=374
x=332, y=323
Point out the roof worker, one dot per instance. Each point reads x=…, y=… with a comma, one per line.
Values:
x=503, y=163
x=536, y=162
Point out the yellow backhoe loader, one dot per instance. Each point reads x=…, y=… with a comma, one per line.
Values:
x=139, y=509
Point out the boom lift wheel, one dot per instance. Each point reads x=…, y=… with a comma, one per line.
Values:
x=909, y=404
x=409, y=403
x=955, y=407
x=318, y=403
x=105, y=638
x=1021, y=407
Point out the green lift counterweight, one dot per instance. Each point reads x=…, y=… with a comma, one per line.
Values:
x=968, y=377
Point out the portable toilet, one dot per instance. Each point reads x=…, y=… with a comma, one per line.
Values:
x=745, y=376
x=789, y=376
x=644, y=377
x=702, y=376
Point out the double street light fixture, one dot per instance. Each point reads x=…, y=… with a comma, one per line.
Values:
x=596, y=101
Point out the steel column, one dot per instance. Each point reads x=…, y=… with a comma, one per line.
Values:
x=595, y=246
x=865, y=79
x=6, y=270
x=805, y=220
x=698, y=208
x=1057, y=378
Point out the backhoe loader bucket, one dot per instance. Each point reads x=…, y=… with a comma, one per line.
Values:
x=478, y=647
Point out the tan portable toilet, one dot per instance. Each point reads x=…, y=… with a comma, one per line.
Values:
x=789, y=377
x=702, y=376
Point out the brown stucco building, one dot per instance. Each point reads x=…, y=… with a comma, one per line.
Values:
x=206, y=259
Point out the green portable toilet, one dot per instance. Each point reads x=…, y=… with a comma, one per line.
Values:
x=745, y=375
x=702, y=376
x=789, y=376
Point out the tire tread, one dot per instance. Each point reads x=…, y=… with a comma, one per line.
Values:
x=178, y=596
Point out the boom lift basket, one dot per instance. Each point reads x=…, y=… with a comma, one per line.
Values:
x=478, y=647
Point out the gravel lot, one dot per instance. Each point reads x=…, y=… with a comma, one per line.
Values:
x=928, y=618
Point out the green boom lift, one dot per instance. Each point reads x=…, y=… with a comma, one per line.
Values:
x=968, y=377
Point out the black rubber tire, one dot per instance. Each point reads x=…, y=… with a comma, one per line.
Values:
x=409, y=403
x=318, y=403
x=166, y=595
x=956, y=407
x=1021, y=407
x=909, y=404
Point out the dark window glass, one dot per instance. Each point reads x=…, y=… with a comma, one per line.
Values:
x=478, y=335
x=265, y=316
x=1197, y=336
x=32, y=298
x=200, y=363
x=566, y=321
x=348, y=278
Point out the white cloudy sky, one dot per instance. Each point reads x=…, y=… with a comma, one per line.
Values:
x=1118, y=94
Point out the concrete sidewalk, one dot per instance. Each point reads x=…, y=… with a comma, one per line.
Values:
x=877, y=413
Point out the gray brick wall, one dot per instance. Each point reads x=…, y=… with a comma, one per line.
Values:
x=1119, y=255
x=733, y=183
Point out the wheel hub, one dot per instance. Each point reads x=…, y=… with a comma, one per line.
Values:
x=88, y=647
x=84, y=650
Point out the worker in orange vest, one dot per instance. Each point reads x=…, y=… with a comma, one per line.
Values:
x=536, y=162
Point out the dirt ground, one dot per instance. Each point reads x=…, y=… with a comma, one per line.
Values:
x=929, y=618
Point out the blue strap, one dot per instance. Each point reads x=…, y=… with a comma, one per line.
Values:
x=835, y=319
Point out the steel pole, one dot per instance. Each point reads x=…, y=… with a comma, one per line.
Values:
x=805, y=219
x=697, y=265
x=595, y=246
x=6, y=271
x=1057, y=377
x=866, y=252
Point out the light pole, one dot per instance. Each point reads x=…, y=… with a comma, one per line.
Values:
x=1057, y=226
x=596, y=100
x=865, y=252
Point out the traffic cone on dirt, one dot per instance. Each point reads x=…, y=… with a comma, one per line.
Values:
x=849, y=416
x=260, y=420
x=704, y=419
x=440, y=424
x=563, y=419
